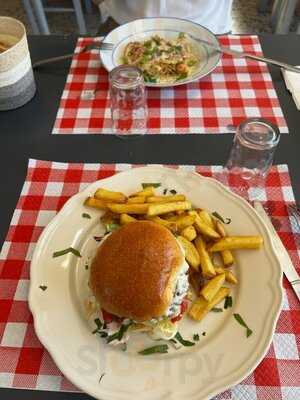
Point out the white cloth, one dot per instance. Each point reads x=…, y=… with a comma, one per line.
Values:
x=292, y=81
x=213, y=14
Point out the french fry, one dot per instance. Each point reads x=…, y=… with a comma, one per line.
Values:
x=229, y=276
x=212, y=287
x=201, y=307
x=126, y=219
x=136, y=200
x=220, y=228
x=128, y=208
x=183, y=221
x=148, y=191
x=226, y=255
x=207, y=266
x=165, y=199
x=219, y=270
x=189, y=233
x=163, y=208
x=110, y=196
x=159, y=220
x=237, y=242
x=190, y=295
x=191, y=253
x=196, y=280
x=95, y=203
x=201, y=227
x=206, y=218
x=198, y=309
x=168, y=224
x=227, y=258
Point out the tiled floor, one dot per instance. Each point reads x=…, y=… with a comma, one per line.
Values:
x=245, y=17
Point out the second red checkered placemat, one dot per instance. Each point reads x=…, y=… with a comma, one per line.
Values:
x=237, y=89
x=24, y=363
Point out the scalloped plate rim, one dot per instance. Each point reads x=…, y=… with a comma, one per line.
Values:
x=277, y=285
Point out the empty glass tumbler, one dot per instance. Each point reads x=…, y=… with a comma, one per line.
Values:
x=128, y=100
x=251, y=156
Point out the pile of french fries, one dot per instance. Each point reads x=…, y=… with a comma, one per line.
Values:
x=208, y=248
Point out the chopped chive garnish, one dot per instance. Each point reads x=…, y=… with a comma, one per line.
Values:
x=203, y=333
x=119, y=334
x=102, y=334
x=112, y=337
x=173, y=191
x=111, y=227
x=161, y=348
x=217, y=215
x=98, y=238
x=165, y=191
x=146, y=185
x=86, y=215
x=216, y=309
x=43, y=287
x=228, y=302
x=123, y=330
x=98, y=323
x=196, y=337
x=243, y=323
x=183, y=341
x=173, y=341
x=86, y=266
x=66, y=251
x=101, y=377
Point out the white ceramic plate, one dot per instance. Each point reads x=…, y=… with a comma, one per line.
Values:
x=219, y=360
x=142, y=29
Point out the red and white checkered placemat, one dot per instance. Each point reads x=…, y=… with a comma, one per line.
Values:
x=24, y=363
x=237, y=89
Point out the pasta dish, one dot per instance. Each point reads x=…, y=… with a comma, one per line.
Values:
x=162, y=60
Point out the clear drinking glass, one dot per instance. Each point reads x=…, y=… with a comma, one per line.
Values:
x=251, y=157
x=128, y=100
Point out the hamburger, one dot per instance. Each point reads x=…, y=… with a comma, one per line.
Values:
x=139, y=278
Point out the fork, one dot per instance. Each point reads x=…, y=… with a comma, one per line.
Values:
x=91, y=46
x=235, y=53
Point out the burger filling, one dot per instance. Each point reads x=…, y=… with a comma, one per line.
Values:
x=180, y=292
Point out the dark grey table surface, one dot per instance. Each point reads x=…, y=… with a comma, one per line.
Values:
x=25, y=133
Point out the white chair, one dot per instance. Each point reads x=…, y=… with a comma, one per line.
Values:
x=40, y=25
x=282, y=15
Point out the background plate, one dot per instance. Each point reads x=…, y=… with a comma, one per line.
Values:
x=142, y=29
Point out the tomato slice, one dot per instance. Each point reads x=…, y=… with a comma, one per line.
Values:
x=183, y=308
x=178, y=318
x=107, y=317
